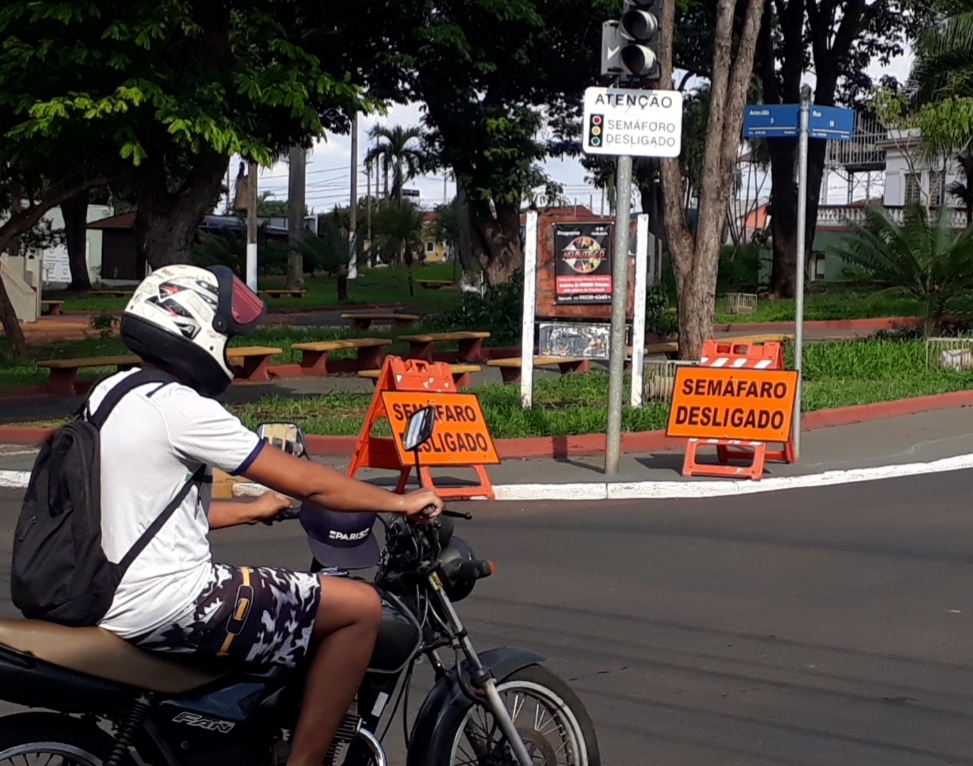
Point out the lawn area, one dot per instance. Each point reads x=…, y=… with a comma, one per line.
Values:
x=387, y=285
x=836, y=302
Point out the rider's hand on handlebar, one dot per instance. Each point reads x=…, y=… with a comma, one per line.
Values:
x=266, y=507
x=421, y=505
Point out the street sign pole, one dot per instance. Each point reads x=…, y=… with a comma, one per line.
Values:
x=801, y=266
x=616, y=359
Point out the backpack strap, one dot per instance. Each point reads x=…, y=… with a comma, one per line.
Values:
x=129, y=383
x=154, y=528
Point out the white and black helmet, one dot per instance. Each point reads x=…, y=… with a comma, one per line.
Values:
x=182, y=317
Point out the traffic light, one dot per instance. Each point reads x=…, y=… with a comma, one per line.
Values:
x=639, y=26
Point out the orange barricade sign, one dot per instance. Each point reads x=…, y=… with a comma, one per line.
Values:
x=459, y=435
x=413, y=383
x=728, y=403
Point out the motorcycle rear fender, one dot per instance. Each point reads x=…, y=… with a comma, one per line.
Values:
x=446, y=703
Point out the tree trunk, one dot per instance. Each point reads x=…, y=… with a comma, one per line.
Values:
x=8, y=317
x=166, y=222
x=783, y=212
x=296, y=177
x=695, y=259
x=75, y=212
x=464, y=245
x=496, y=240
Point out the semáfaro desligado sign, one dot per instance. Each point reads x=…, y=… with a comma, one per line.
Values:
x=641, y=123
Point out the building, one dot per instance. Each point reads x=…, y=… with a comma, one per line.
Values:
x=434, y=249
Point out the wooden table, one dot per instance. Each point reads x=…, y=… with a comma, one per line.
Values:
x=314, y=355
x=460, y=373
x=282, y=292
x=470, y=346
x=435, y=284
x=670, y=349
x=362, y=320
x=64, y=372
x=114, y=293
x=51, y=308
x=510, y=368
x=773, y=337
x=252, y=361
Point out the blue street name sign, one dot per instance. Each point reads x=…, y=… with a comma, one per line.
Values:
x=771, y=120
x=831, y=123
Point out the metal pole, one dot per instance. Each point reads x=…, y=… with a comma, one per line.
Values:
x=638, y=308
x=799, y=290
x=368, y=204
x=530, y=307
x=353, y=207
x=616, y=362
x=252, y=225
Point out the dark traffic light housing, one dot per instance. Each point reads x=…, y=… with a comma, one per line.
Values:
x=639, y=26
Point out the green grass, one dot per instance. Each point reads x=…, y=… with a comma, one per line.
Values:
x=838, y=302
x=389, y=285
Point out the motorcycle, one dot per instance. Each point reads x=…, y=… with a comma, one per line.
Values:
x=108, y=703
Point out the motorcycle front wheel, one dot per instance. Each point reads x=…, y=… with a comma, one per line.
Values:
x=48, y=739
x=552, y=722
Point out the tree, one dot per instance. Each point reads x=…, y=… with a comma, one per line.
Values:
x=398, y=230
x=493, y=77
x=176, y=87
x=695, y=257
x=837, y=39
x=397, y=149
x=943, y=67
x=75, y=214
x=928, y=261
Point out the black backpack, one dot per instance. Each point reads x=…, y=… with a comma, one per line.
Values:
x=60, y=572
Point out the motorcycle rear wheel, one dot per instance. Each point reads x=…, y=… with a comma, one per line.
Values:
x=552, y=721
x=48, y=739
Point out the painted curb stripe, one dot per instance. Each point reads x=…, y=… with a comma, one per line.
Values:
x=14, y=479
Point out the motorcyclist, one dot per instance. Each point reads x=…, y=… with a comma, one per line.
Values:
x=174, y=597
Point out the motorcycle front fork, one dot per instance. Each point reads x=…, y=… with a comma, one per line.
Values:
x=484, y=685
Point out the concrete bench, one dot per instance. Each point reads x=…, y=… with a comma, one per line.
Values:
x=64, y=372
x=460, y=373
x=252, y=361
x=510, y=368
x=282, y=292
x=362, y=320
x=435, y=284
x=470, y=346
x=773, y=337
x=314, y=354
x=51, y=308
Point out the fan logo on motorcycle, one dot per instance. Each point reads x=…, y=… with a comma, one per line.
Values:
x=202, y=722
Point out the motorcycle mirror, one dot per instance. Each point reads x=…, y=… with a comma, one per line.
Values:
x=285, y=436
x=418, y=428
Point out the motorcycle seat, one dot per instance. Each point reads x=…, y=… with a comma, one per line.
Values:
x=97, y=652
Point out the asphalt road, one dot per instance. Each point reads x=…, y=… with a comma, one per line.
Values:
x=825, y=626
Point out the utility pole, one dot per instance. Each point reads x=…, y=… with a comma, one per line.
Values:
x=353, y=207
x=799, y=276
x=252, y=226
x=616, y=359
x=368, y=203
x=296, y=175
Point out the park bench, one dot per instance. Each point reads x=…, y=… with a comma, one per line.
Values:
x=362, y=320
x=314, y=354
x=435, y=284
x=64, y=372
x=510, y=368
x=470, y=346
x=51, y=308
x=275, y=293
x=773, y=337
x=670, y=349
x=252, y=361
x=460, y=373
x=113, y=293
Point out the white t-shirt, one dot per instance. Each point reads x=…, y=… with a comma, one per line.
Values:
x=154, y=440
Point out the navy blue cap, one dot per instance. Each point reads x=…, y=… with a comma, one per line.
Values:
x=338, y=539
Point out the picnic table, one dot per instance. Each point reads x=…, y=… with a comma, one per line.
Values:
x=279, y=293
x=510, y=370
x=114, y=293
x=251, y=361
x=64, y=372
x=669, y=348
x=51, y=308
x=470, y=346
x=314, y=354
x=773, y=337
x=435, y=284
x=362, y=320
x=460, y=373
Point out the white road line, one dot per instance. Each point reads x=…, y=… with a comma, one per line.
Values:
x=15, y=479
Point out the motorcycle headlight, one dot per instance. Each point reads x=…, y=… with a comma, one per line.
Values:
x=457, y=550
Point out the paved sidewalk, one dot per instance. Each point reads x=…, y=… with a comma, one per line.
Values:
x=919, y=438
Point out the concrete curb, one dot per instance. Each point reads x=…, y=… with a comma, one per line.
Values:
x=873, y=323
x=593, y=444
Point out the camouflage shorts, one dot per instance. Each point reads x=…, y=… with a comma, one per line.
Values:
x=259, y=615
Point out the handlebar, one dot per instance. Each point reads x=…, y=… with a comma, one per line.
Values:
x=468, y=570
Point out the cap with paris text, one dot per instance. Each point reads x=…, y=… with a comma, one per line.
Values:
x=340, y=540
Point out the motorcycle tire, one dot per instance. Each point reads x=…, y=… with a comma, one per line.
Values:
x=75, y=741
x=574, y=724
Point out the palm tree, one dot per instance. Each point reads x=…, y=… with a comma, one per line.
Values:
x=397, y=149
x=927, y=260
x=398, y=229
x=944, y=57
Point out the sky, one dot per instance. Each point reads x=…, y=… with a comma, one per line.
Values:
x=329, y=163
